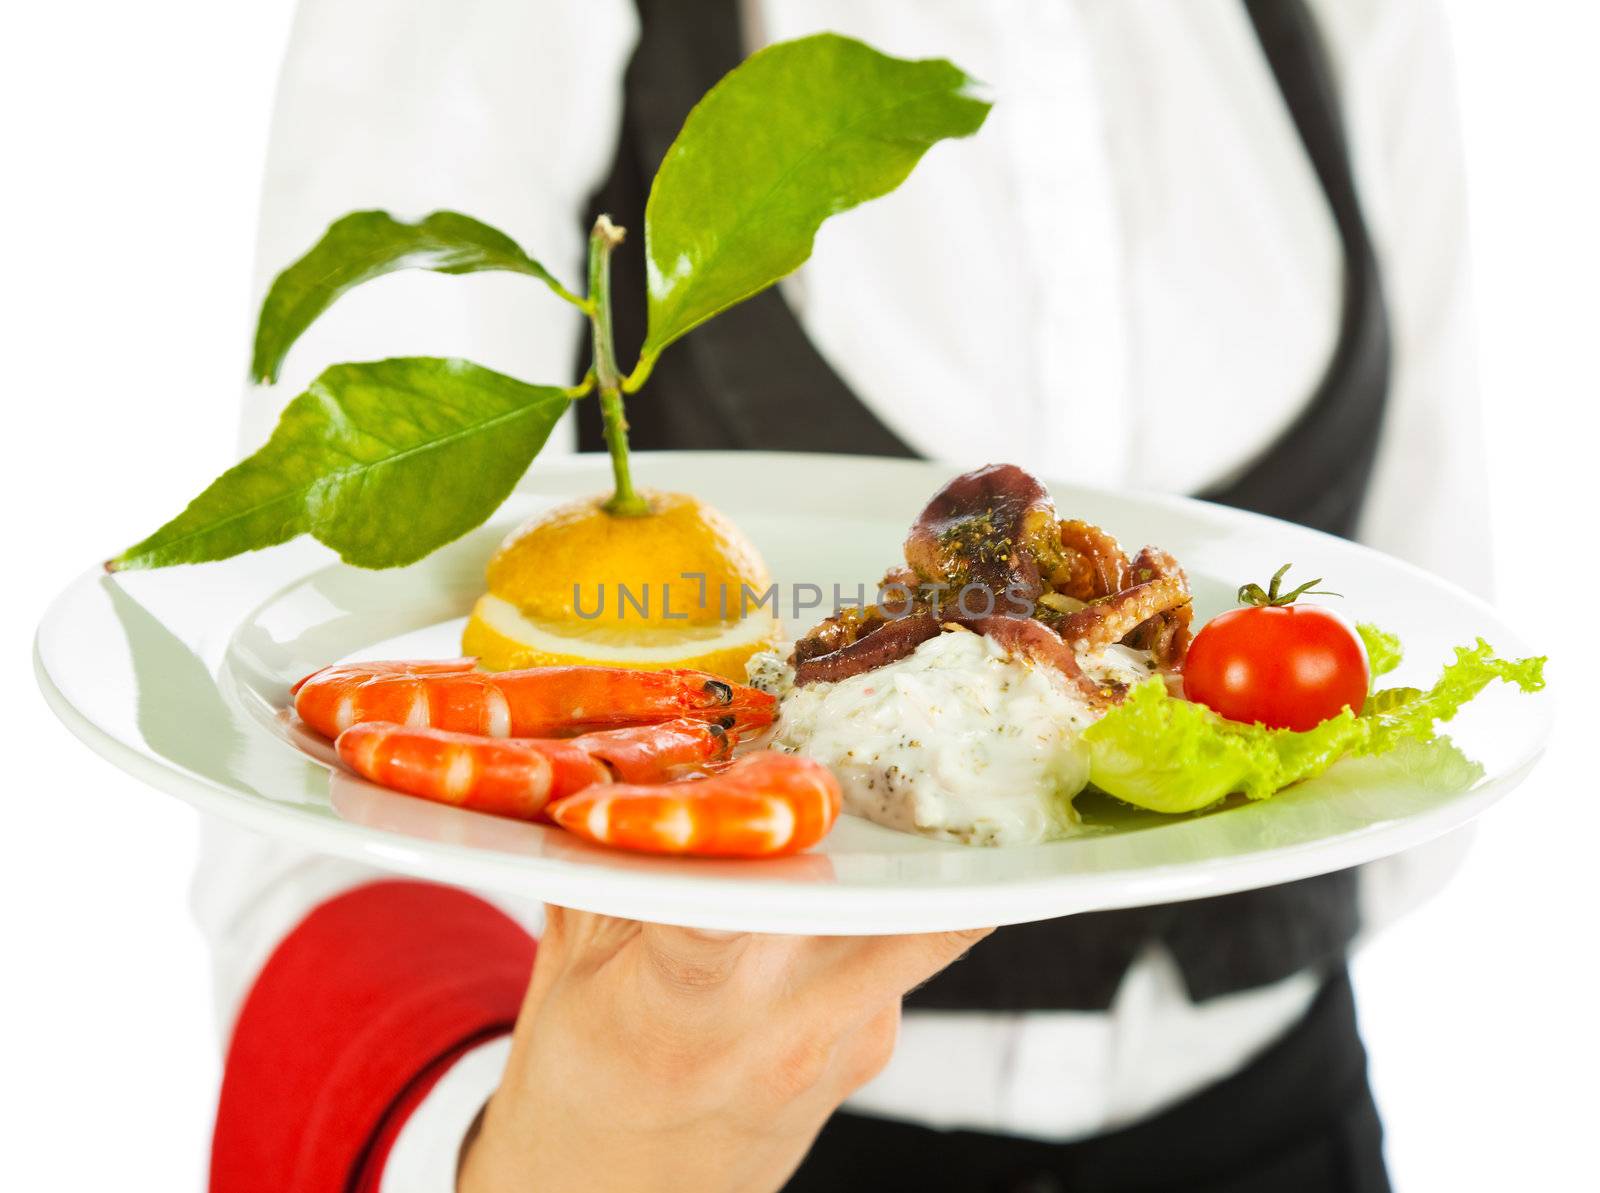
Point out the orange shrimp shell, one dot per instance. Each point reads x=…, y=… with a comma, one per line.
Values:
x=766, y=804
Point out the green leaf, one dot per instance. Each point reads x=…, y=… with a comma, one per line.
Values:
x=1389, y=700
x=1473, y=669
x=384, y=462
x=1383, y=649
x=366, y=245
x=1158, y=751
x=1167, y=754
x=800, y=131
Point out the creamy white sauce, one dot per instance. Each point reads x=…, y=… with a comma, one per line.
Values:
x=959, y=740
x=1117, y=665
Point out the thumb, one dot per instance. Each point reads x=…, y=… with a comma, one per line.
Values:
x=691, y=961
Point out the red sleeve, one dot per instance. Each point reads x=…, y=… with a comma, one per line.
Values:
x=358, y=1012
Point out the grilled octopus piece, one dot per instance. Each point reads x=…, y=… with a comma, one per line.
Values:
x=1166, y=635
x=995, y=527
x=1093, y=565
x=860, y=639
x=891, y=641
x=1113, y=619
x=1025, y=636
x=834, y=633
x=1153, y=614
x=838, y=656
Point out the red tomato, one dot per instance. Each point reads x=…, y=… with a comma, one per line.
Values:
x=1286, y=666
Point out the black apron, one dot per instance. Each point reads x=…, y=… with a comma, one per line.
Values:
x=1299, y=1119
x=751, y=379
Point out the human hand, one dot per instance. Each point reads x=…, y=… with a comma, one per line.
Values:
x=647, y=1057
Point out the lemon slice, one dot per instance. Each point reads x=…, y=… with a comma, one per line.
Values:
x=502, y=637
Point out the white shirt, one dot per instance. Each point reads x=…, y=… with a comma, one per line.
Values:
x=1129, y=277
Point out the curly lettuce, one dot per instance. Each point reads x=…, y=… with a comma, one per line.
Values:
x=1164, y=753
x=1383, y=649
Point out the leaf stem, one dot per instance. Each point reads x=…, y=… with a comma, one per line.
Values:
x=625, y=502
x=634, y=381
x=584, y=387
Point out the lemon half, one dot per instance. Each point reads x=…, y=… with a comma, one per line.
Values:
x=555, y=591
x=557, y=565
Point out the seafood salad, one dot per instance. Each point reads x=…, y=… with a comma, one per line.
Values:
x=1018, y=658
x=1015, y=659
x=955, y=706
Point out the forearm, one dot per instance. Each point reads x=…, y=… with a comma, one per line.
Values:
x=368, y=1001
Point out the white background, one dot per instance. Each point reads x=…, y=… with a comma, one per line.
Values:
x=133, y=141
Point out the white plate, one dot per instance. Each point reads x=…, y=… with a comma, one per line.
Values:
x=180, y=676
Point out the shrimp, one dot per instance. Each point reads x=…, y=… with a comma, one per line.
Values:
x=536, y=702
x=519, y=777
x=764, y=805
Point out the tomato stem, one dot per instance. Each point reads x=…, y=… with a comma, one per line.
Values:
x=1272, y=598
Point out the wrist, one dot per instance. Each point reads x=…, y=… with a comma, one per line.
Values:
x=503, y=1155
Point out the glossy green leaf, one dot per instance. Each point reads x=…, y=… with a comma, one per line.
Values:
x=384, y=462
x=800, y=131
x=366, y=245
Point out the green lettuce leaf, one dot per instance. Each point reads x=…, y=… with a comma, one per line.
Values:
x=1162, y=752
x=1383, y=649
x=1391, y=721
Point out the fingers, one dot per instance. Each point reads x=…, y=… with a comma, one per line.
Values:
x=574, y=944
x=905, y=962
x=867, y=1048
x=691, y=961
x=853, y=976
x=582, y=938
x=845, y=979
x=677, y=960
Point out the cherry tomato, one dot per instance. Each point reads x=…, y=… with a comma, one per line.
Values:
x=1287, y=666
